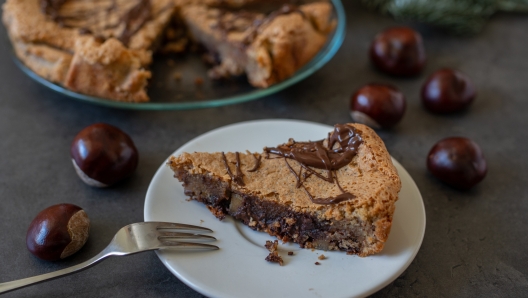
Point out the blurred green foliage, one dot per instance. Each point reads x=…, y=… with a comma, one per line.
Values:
x=459, y=16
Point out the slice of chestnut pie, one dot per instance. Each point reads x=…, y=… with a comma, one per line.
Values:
x=334, y=194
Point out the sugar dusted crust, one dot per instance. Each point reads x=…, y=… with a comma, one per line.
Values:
x=71, y=54
x=359, y=226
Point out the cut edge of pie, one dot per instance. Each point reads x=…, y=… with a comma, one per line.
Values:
x=353, y=213
x=61, y=48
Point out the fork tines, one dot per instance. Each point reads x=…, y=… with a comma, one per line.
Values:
x=172, y=239
x=179, y=226
x=177, y=235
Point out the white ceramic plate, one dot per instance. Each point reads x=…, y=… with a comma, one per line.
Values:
x=238, y=269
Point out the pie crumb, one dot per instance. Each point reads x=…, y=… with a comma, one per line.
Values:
x=273, y=256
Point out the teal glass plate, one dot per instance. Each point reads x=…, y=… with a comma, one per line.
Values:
x=180, y=82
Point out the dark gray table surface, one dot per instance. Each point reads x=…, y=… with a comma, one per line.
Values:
x=475, y=242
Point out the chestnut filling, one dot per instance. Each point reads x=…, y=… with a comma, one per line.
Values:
x=278, y=220
x=244, y=22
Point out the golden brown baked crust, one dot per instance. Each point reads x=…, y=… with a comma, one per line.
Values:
x=49, y=37
x=370, y=177
x=25, y=21
x=64, y=55
x=267, y=53
x=265, y=5
x=49, y=63
x=107, y=70
x=287, y=43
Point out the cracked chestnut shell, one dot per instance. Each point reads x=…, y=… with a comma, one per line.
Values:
x=378, y=105
x=103, y=154
x=58, y=232
x=458, y=162
x=447, y=91
x=398, y=51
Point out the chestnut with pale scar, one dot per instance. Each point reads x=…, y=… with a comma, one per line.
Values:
x=58, y=232
x=103, y=155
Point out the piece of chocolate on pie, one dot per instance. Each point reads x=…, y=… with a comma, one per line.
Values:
x=104, y=47
x=338, y=193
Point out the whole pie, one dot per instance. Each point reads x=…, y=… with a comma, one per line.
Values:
x=104, y=47
x=337, y=193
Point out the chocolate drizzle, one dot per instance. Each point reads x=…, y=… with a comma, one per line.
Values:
x=51, y=7
x=260, y=23
x=330, y=155
x=250, y=21
x=104, y=18
x=257, y=163
x=238, y=177
x=237, y=20
x=134, y=19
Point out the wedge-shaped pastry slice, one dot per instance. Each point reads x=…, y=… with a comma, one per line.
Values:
x=334, y=194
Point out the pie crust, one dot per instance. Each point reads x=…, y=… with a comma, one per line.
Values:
x=355, y=215
x=103, y=48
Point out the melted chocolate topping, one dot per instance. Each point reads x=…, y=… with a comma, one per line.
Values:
x=134, y=20
x=238, y=177
x=257, y=163
x=236, y=21
x=340, y=148
x=259, y=24
x=51, y=7
x=250, y=20
x=122, y=18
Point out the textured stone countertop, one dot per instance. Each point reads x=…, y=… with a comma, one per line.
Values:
x=475, y=243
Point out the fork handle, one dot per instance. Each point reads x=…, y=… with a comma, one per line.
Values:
x=16, y=284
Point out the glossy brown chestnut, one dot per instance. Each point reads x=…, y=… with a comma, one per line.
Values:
x=447, y=91
x=102, y=155
x=398, y=51
x=377, y=105
x=58, y=232
x=457, y=161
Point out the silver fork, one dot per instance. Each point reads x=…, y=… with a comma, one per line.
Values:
x=131, y=239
